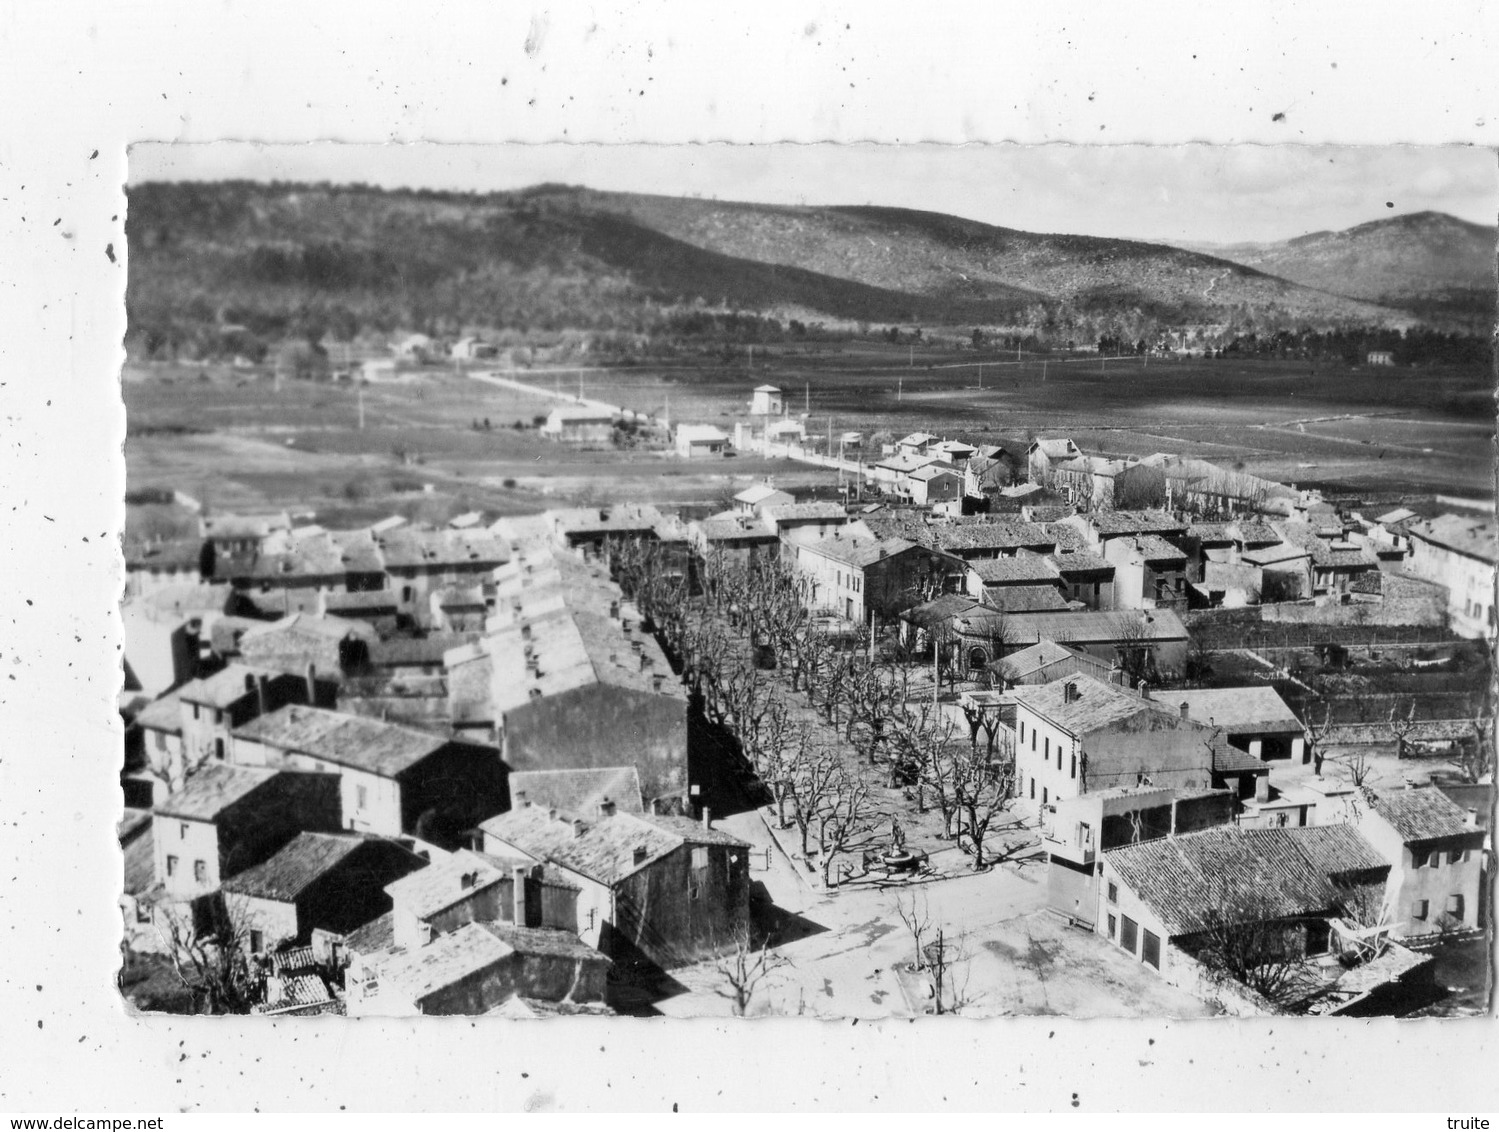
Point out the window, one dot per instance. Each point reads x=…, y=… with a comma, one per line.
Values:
x=1127, y=930
x=182, y=831
x=1046, y=749
x=1033, y=789
x=362, y=796
x=1420, y=909
x=1022, y=731
x=171, y=865
x=1059, y=756
x=1113, y=925
x=1033, y=738
x=1044, y=796
x=1455, y=855
x=1150, y=949
x=1074, y=766
x=200, y=872
x=1455, y=906
x=1113, y=893
x=257, y=940
x=161, y=740
x=218, y=715
x=142, y=913
x=195, y=711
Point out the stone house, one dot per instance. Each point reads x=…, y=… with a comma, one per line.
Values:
x=1436, y=851
x=653, y=888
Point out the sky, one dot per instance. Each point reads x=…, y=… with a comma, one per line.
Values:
x=1172, y=194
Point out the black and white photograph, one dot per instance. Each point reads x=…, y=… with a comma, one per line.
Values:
x=643, y=557
x=848, y=582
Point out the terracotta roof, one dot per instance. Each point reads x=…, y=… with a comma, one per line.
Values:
x=386, y=749
x=421, y=549
x=1039, y=656
x=363, y=600
x=578, y=793
x=932, y=471
x=1254, y=532
x=556, y=943
x=1153, y=548
x=939, y=611
x=421, y=971
x=740, y=528
x=1421, y=815
x=213, y=789
x=756, y=492
x=1069, y=539
x=1263, y=873
x=1211, y=532
x=174, y=554
x=609, y=848
x=137, y=846
x=398, y=651
x=1054, y=447
x=1079, y=563
x=1020, y=599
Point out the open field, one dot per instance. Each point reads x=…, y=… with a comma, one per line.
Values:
x=236, y=439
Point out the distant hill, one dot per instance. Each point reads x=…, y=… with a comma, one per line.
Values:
x=946, y=256
x=1429, y=262
x=279, y=260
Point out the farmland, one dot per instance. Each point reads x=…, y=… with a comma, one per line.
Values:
x=236, y=438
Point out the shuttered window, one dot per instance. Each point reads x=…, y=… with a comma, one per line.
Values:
x=1127, y=931
x=1150, y=950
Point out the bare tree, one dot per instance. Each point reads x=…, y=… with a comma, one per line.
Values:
x=743, y=967
x=1248, y=940
x=1315, y=732
x=845, y=821
x=207, y=946
x=982, y=789
x=1401, y=728
x=916, y=915
x=1476, y=756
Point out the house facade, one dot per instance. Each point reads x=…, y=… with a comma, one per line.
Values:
x=1436, y=851
x=1461, y=554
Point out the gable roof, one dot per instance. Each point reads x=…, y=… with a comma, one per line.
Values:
x=1421, y=815
x=356, y=741
x=757, y=492
x=1110, y=524
x=301, y=861
x=213, y=789
x=1000, y=534
x=933, y=471
x=441, y=885
x=223, y=688
x=609, y=848
x=939, y=610
x=824, y=510
x=1257, y=708
x=1264, y=874
x=1080, y=563
x=853, y=550
x=1092, y=625
x=1021, y=599
x=579, y=792
x=1038, y=657
x=1097, y=705
x=1014, y=571
x=164, y=714
x=1475, y=538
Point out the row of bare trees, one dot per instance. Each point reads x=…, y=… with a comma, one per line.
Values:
x=749, y=647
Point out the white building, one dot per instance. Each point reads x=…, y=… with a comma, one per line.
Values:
x=700, y=440
x=1459, y=553
x=766, y=402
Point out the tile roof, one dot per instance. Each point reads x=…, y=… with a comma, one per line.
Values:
x=1113, y=523
x=906, y=462
x=362, y=600
x=1254, y=532
x=853, y=550
x=1078, y=563
x=1053, y=447
x=164, y=714
x=817, y=509
x=740, y=528
x=138, y=848
x=420, y=972
x=1263, y=873
x=581, y=413
x=306, y=626
x=1093, y=466
x=377, y=935
x=1211, y=532
x=756, y=492
x=385, y=749
x=1476, y=538
x=939, y=611
x=431, y=649
x=1098, y=705
x=213, y=789
x=578, y=793
x=1014, y=571
x=1038, y=657
x=223, y=688
x=1089, y=625
x=442, y=884
x=1255, y=708
x=915, y=440
x=1425, y=814
x=1069, y=539
x=557, y=943
x=1153, y=548
x=1280, y=552
x=301, y=861
x=898, y=522
x=1020, y=599
x=609, y=848
x=992, y=534
x=416, y=548
x=932, y=471
x=174, y=554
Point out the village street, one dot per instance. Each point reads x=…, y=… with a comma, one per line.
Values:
x=844, y=949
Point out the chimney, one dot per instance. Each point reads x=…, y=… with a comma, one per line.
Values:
x=606, y=808
x=1184, y=709
x=707, y=818
x=518, y=895
x=552, y=814
x=518, y=800
x=312, y=683
x=1262, y=788
x=261, y=699
x=1069, y=693
x=614, y=610
x=640, y=854
x=578, y=827
x=1471, y=819
x=658, y=681
x=535, y=693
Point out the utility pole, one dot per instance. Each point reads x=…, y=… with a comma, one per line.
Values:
x=361, y=408
x=1043, y=371
x=981, y=375
x=897, y=388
